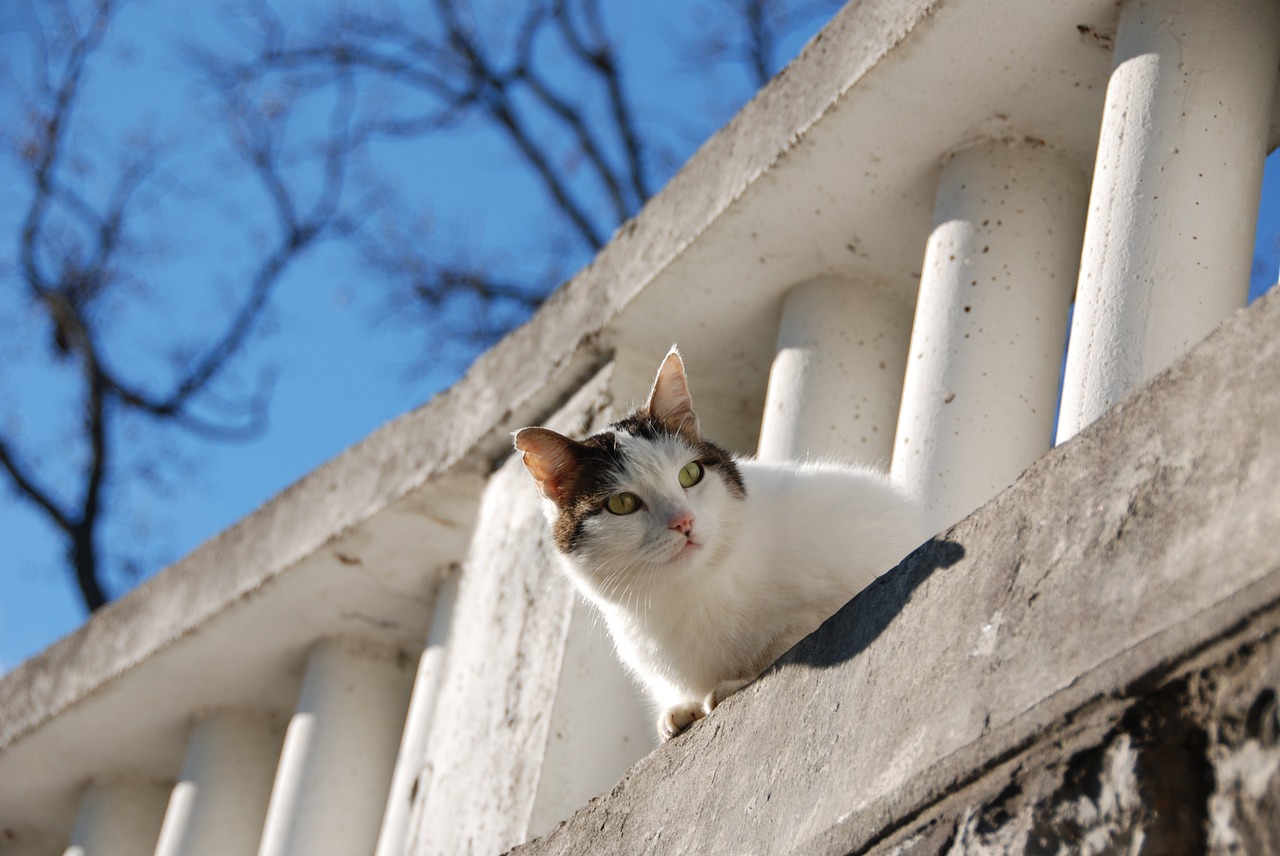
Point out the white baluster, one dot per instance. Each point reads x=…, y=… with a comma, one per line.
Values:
x=1169, y=244
x=836, y=381
x=413, y=746
x=339, y=750
x=118, y=818
x=220, y=802
x=991, y=317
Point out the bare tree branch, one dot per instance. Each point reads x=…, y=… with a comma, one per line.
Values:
x=28, y=485
x=69, y=266
x=601, y=57
x=462, y=75
x=549, y=80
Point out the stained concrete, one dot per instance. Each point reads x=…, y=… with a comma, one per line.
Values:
x=1184, y=760
x=1089, y=658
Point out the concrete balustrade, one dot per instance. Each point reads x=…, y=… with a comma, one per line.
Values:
x=991, y=318
x=1169, y=243
x=118, y=818
x=219, y=803
x=836, y=381
x=782, y=260
x=417, y=727
x=335, y=769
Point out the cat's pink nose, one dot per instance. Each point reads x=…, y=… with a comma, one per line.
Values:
x=682, y=523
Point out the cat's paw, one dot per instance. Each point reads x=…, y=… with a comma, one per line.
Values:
x=676, y=719
x=722, y=691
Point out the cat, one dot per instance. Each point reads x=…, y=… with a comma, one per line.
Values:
x=707, y=566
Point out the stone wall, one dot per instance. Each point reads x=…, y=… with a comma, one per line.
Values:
x=1184, y=761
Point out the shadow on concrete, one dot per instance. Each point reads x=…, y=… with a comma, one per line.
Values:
x=851, y=630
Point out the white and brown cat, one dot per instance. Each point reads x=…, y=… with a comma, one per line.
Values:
x=707, y=566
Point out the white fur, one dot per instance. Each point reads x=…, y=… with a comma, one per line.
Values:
x=695, y=625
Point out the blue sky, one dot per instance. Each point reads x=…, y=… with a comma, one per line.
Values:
x=344, y=361
x=344, y=364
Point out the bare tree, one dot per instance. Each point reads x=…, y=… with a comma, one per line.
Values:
x=74, y=255
x=300, y=106
x=546, y=76
x=440, y=70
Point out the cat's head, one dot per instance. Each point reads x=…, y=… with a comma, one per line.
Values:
x=647, y=495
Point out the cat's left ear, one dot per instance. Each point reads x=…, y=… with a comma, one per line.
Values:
x=669, y=400
x=552, y=461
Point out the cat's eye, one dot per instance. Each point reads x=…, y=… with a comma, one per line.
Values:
x=622, y=503
x=690, y=474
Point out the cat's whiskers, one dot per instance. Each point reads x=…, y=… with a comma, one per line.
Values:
x=613, y=582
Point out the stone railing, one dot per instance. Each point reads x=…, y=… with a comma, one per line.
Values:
x=875, y=259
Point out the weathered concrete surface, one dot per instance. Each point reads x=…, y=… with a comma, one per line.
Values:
x=1092, y=582
x=1184, y=760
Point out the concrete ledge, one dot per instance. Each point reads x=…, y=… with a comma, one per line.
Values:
x=1114, y=559
x=1185, y=759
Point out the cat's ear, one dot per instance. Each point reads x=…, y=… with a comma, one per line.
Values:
x=552, y=460
x=669, y=400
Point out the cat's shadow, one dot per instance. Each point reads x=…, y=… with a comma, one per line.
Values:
x=860, y=621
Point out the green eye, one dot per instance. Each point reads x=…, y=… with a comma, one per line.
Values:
x=690, y=474
x=622, y=503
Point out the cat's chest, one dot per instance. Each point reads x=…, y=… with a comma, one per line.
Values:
x=699, y=628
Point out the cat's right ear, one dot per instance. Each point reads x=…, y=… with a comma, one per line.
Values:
x=669, y=400
x=552, y=461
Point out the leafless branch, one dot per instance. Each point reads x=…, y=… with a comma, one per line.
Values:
x=461, y=74
x=598, y=53
x=71, y=253
x=752, y=32
x=550, y=80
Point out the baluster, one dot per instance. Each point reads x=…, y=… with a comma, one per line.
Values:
x=991, y=318
x=406, y=780
x=1169, y=243
x=339, y=750
x=836, y=381
x=220, y=802
x=118, y=818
